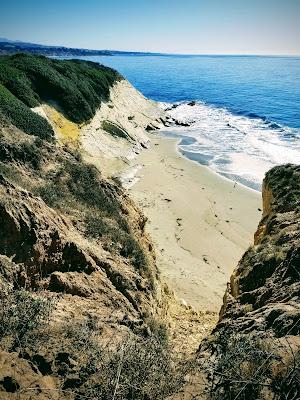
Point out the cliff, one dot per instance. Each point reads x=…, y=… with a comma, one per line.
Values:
x=85, y=105
x=115, y=134
x=80, y=290
x=254, y=350
x=80, y=294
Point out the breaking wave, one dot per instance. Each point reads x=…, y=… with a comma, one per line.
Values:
x=240, y=147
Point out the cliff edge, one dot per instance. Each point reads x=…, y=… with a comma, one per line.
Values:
x=80, y=292
x=254, y=349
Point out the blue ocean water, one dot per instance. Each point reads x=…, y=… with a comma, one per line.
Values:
x=247, y=113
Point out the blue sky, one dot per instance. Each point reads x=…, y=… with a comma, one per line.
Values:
x=174, y=26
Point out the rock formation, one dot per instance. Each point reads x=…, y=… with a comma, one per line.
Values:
x=254, y=349
x=80, y=293
x=78, y=277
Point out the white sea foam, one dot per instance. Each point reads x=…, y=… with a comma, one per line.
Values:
x=236, y=146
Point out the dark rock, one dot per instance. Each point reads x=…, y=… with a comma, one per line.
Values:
x=179, y=123
x=150, y=128
x=172, y=107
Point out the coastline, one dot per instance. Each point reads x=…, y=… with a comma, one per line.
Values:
x=200, y=222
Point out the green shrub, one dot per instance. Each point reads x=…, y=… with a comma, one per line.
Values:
x=85, y=185
x=78, y=87
x=18, y=84
x=78, y=186
x=51, y=193
x=22, y=117
x=117, y=238
x=26, y=152
x=114, y=129
x=132, y=249
x=10, y=172
x=96, y=226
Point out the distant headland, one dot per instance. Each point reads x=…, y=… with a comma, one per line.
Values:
x=17, y=46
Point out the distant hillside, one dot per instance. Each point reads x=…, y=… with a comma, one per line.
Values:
x=13, y=47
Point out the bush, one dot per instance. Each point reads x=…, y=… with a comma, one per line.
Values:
x=22, y=117
x=96, y=226
x=26, y=152
x=85, y=185
x=78, y=87
x=78, y=186
x=20, y=315
x=87, y=365
x=116, y=238
x=11, y=173
x=18, y=84
x=135, y=370
x=114, y=129
x=132, y=368
x=247, y=366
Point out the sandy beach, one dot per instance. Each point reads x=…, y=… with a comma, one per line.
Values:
x=201, y=223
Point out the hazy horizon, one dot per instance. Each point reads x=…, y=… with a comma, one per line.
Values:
x=153, y=52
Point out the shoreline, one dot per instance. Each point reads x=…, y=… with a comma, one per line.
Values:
x=200, y=236
x=199, y=158
x=211, y=170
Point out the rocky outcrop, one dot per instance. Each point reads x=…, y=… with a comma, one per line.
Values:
x=262, y=304
x=16, y=373
x=47, y=252
x=42, y=250
x=264, y=290
x=70, y=237
x=118, y=131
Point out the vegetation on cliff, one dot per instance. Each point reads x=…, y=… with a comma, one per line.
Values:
x=76, y=87
x=256, y=341
x=80, y=296
x=21, y=116
x=74, y=352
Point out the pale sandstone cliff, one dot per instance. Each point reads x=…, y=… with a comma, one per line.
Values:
x=116, y=133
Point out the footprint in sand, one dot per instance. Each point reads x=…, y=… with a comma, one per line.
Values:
x=204, y=258
x=178, y=220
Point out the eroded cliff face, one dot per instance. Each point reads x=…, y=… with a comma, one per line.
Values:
x=80, y=293
x=116, y=133
x=268, y=273
x=41, y=249
x=257, y=336
x=74, y=242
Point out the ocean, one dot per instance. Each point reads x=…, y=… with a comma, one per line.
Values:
x=246, y=115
